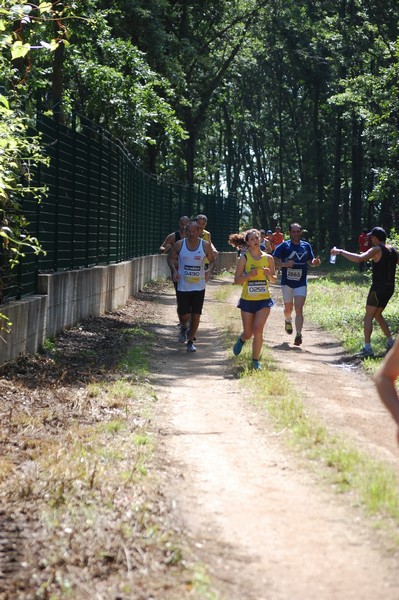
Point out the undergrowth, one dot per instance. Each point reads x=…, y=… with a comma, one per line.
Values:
x=336, y=302
x=335, y=305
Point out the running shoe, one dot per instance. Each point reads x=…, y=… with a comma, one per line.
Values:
x=238, y=346
x=298, y=339
x=288, y=327
x=182, y=335
x=256, y=365
x=364, y=352
x=191, y=347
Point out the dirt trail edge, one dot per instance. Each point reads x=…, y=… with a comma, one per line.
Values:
x=265, y=529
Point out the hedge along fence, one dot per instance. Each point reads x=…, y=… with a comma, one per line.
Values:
x=102, y=209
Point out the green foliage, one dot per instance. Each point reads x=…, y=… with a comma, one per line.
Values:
x=65, y=52
x=20, y=151
x=337, y=303
x=116, y=88
x=339, y=462
x=290, y=105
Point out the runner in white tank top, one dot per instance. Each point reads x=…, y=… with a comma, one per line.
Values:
x=191, y=268
x=191, y=279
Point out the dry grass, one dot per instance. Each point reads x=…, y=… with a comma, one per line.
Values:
x=78, y=475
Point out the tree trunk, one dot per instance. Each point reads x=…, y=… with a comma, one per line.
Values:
x=319, y=167
x=335, y=232
x=190, y=155
x=280, y=151
x=357, y=176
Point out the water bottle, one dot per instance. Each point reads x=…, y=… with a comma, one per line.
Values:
x=333, y=257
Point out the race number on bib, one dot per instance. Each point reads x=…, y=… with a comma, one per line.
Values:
x=294, y=274
x=257, y=287
x=191, y=273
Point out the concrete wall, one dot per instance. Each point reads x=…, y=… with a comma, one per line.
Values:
x=68, y=297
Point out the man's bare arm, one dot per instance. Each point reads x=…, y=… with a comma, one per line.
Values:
x=358, y=258
x=385, y=379
x=167, y=244
x=172, y=259
x=210, y=256
x=282, y=264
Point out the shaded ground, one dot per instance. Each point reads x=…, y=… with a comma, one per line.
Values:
x=277, y=534
x=236, y=498
x=115, y=535
x=334, y=386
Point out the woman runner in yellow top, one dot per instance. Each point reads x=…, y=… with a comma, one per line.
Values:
x=254, y=271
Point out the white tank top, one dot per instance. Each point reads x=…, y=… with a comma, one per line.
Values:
x=191, y=268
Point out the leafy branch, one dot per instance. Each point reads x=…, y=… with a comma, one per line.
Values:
x=20, y=152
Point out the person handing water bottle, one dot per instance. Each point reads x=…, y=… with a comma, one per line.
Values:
x=384, y=259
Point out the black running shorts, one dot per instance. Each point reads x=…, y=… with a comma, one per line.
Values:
x=379, y=299
x=190, y=302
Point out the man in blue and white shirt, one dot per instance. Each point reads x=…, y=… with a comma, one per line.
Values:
x=293, y=256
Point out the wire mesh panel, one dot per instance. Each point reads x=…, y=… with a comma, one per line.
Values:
x=101, y=208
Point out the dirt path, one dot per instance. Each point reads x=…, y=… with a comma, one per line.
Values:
x=264, y=527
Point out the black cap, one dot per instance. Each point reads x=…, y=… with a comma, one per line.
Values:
x=379, y=233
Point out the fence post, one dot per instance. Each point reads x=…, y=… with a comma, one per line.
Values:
x=113, y=204
x=73, y=228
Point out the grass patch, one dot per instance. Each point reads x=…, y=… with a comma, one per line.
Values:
x=113, y=427
x=135, y=361
x=225, y=312
x=138, y=332
x=93, y=482
x=374, y=483
x=49, y=344
x=141, y=440
x=370, y=483
x=336, y=302
x=120, y=392
x=91, y=489
x=201, y=584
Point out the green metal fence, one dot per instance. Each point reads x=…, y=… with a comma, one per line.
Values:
x=101, y=208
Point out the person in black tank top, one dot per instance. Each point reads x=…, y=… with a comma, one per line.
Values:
x=383, y=278
x=175, y=236
x=385, y=258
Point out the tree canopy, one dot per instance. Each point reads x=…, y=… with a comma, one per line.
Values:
x=292, y=105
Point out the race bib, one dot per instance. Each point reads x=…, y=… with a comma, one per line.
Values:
x=294, y=274
x=191, y=273
x=257, y=287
